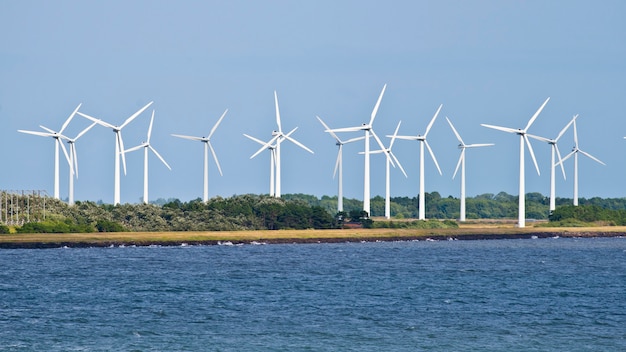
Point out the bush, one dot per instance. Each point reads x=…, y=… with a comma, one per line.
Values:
x=109, y=226
x=4, y=229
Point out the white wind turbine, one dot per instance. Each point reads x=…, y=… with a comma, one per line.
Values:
x=388, y=161
x=339, y=162
x=553, y=163
x=575, y=152
x=146, y=145
x=272, y=149
x=461, y=164
x=73, y=162
x=57, y=135
x=368, y=129
x=278, y=137
x=424, y=142
x=119, y=147
x=207, y=146
x=523, y=139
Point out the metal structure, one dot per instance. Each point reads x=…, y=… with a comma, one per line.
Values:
x=18, y=207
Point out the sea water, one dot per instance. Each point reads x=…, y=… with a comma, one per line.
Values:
x=497, y=295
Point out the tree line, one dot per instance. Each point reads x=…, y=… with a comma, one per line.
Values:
x=301, y=211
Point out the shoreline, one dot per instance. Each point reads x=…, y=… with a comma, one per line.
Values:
x=117, y=239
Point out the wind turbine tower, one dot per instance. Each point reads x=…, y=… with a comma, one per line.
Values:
x=73, y=162
x=369, y=130
x=523, y=134
x=424, y=142
x=553, y=163
x=147, y=146
x=57, y=136
x=277, y=139
x=390, y=155
x=207, y=146
x=461, y=164
x=272, y=149
x=119, y=147
x=339, y=163
x=575, y=151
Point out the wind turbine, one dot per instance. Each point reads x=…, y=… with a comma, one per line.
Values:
x=73, y=162
x=390, y=156
x=119, y=146
x=424, y=142
x=523, y=139
x=146, y=145
x=57, y=135
x=339, y=162
x=575, y=152
x=278, y=137
x=272, y=149
x=461, y=164
x=553, y=163
x=207, y=146
x=368, y=129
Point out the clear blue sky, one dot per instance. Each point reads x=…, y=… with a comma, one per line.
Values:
x=490, y=62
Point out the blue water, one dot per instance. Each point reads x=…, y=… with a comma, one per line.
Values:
x=497, y=295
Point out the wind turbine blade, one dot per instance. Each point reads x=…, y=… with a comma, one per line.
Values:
x=543, y=139
x=353, y=140
x=265, y=146
x=380, y=143
x=290, y=132
x=432, y=121
x=558, y=154
x=50, y=130
x=407, y=138
x=133, y=116
x=74, y=157
x=398, y=163
x=479, y=145
x=505, y=129
x=217, y=124
x=67, y=156
x=98, y=121
x=433, y=156
x=532, y=153
x=84, y=131
x=67, y=122
x=150, y=127
x=591, y=156
x=280, y=129
x=532, y=119
x=347, y=129
x=458, y=164
x=327, y=129
x=458, y=136
x=380, y=98
x=159, y=156
x=566, y=127
x=338, y=160
x=215, y=158
x=42, y=134
x=298, y=144
x=566, y=157
x=255, y=139
x=120, y=143
x=395, y=134
x=189, y=137
x=575, y=135
x=143, y=145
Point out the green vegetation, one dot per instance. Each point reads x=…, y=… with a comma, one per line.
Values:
x=300, y=211
x=587, y=215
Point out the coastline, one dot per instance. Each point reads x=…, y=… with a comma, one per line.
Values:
x=116, y=239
